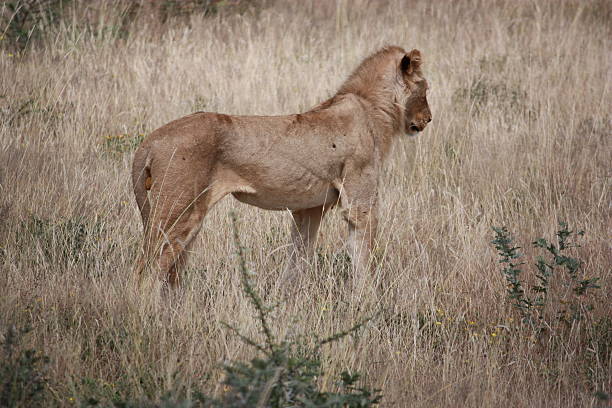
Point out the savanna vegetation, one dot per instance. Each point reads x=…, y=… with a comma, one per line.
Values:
x=493, y=264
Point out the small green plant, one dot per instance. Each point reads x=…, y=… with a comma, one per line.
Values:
x=23, y=20
x=339, y=262
x=531, y=301
x=199, y=104
x=285, y=375
x=15, y=111
x=60, y=241
x=603, y=399
x=599, y=127
x=23, y=382
x=482, y=92
x=598, y=359
x=122, y=143
x=184, y=8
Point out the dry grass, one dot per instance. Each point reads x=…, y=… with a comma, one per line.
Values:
x=520, y=95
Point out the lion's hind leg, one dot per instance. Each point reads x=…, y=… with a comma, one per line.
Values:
x=175, y=223
x=176, y=240
x=178, y=207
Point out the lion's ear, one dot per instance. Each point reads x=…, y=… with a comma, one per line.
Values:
x=411, y=62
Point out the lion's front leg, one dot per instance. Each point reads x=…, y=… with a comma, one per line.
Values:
x=362, y=223
x=359, y=199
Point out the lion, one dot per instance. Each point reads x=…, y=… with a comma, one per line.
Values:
x=306, y=163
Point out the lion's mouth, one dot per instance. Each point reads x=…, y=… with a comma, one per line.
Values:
x=412, y=130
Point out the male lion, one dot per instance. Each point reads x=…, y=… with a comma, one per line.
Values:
x=305, y=163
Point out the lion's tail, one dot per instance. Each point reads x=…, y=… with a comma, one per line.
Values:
x=141, y=181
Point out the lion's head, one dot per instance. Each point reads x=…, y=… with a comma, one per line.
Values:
x=416, y=109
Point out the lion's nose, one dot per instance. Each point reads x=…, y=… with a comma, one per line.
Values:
x=428, y=119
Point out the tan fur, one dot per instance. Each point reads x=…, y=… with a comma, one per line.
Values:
x=306, y=163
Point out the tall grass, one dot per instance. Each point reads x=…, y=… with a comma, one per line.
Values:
x=520, y=96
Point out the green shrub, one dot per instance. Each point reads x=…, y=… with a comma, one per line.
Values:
x=61, y=241
x=22, y=20
x=285, y=375
x=532, y=301
x=23, y=382
x=482, y=93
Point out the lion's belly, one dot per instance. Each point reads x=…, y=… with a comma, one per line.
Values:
x=282, y=179
x=290, y=198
